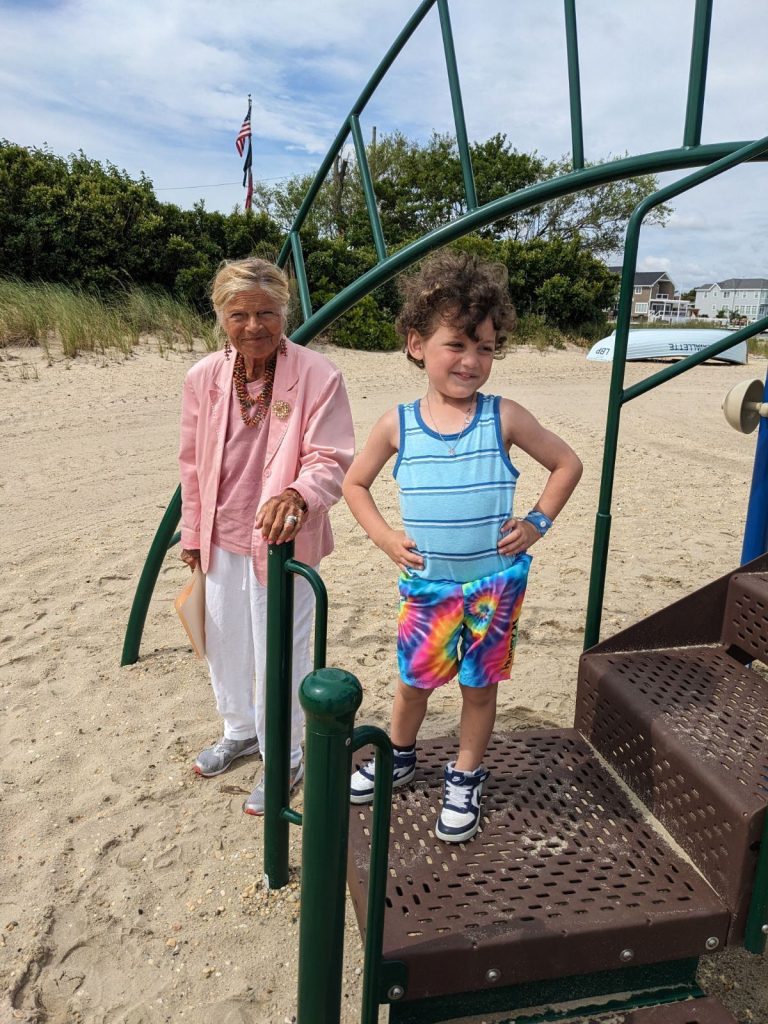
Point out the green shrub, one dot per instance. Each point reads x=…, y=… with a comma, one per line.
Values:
x=535, y=330
x=365, y=327
x=592, y=331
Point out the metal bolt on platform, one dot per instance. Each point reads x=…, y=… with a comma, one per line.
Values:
x=712, y=943
x=492, y=974
x=626, y=955
x=395, y=992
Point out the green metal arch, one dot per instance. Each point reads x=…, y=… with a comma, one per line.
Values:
x=691, y=154
x=524, y=199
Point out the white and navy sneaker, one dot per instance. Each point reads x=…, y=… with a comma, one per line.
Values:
x=361, y=786
x=460, y=817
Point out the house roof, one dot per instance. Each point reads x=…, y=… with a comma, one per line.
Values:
x=645, y=278
x=736, y=282
x=744, y=282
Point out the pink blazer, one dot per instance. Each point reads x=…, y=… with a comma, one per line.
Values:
x=309, y=448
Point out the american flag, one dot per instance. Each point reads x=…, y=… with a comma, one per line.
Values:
x=242, y=141
x=245, y=131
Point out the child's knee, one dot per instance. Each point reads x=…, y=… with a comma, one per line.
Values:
x=480, y=696
x=412, y=694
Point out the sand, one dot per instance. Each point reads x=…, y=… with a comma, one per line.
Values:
x=133, y=889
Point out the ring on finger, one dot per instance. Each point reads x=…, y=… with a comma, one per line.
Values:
x=290, y=520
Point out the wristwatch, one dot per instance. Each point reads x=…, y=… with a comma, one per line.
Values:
x=538, y=519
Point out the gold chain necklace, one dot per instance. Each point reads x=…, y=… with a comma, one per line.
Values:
x=467, y=420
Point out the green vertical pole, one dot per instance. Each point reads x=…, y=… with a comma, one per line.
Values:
x=697, y=76
x=757, y=921
x=458, y=105
x=330, y=698
x=574, y=85
x=368, y=189
x=301, y=275
x=603, y=517
x=378, y=873
x=162, y=541
x=278, y=714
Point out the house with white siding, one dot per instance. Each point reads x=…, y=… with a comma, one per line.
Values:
x=738, y=296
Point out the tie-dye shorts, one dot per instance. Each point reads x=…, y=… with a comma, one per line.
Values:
x=470, y=628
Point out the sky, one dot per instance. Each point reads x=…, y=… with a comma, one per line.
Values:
x=161, y=86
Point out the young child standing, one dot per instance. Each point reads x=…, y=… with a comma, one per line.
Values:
x=462, y=555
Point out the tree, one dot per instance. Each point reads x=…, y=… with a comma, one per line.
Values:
x=597, y=216
x=89, y=224
x=420, y=186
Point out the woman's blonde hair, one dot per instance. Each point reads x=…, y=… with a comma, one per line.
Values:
x=236, y=276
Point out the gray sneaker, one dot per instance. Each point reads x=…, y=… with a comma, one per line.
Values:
x=216, y=759
x=255, y=802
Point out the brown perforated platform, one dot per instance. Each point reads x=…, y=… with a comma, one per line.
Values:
x=566, y=877
x=692, y=1011
x=687, y=729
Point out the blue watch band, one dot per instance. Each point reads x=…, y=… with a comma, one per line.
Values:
x=538, y=519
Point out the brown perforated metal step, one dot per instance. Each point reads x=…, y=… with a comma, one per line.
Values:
x=687, y=729
x=566, y=877
x=692, y=1011
x=745, y=623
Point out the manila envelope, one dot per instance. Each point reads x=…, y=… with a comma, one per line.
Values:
x=190, y=605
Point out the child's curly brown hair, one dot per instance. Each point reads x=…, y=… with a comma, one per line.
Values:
x=459, y=289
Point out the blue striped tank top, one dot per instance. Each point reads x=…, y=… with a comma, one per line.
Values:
x=453, y=506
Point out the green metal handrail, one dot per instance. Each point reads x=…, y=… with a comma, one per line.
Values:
x=617, y=396
x=321, y=607
x=165, y=537
x=281, y=568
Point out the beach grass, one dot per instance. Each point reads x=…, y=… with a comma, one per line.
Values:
x=72, y=321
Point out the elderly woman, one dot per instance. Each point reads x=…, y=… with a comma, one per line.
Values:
x=266, y=438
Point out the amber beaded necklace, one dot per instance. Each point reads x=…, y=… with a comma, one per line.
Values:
x=264, y=397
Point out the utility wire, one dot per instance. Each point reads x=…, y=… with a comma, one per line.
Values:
x=218, y=184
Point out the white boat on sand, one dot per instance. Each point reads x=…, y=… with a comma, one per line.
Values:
x=668, y=343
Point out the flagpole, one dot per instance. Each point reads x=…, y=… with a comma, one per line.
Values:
x=249, y=186
x=244, y=144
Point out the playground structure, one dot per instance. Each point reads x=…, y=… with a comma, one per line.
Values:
x=570, y=903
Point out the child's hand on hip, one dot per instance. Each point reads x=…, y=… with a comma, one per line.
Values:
x=402, y=550
x=517, y=536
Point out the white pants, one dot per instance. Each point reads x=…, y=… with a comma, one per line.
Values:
x=236, y=647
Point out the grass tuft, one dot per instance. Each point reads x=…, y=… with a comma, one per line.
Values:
x=77, y=321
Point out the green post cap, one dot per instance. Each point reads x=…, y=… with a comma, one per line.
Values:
x=330, y=693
